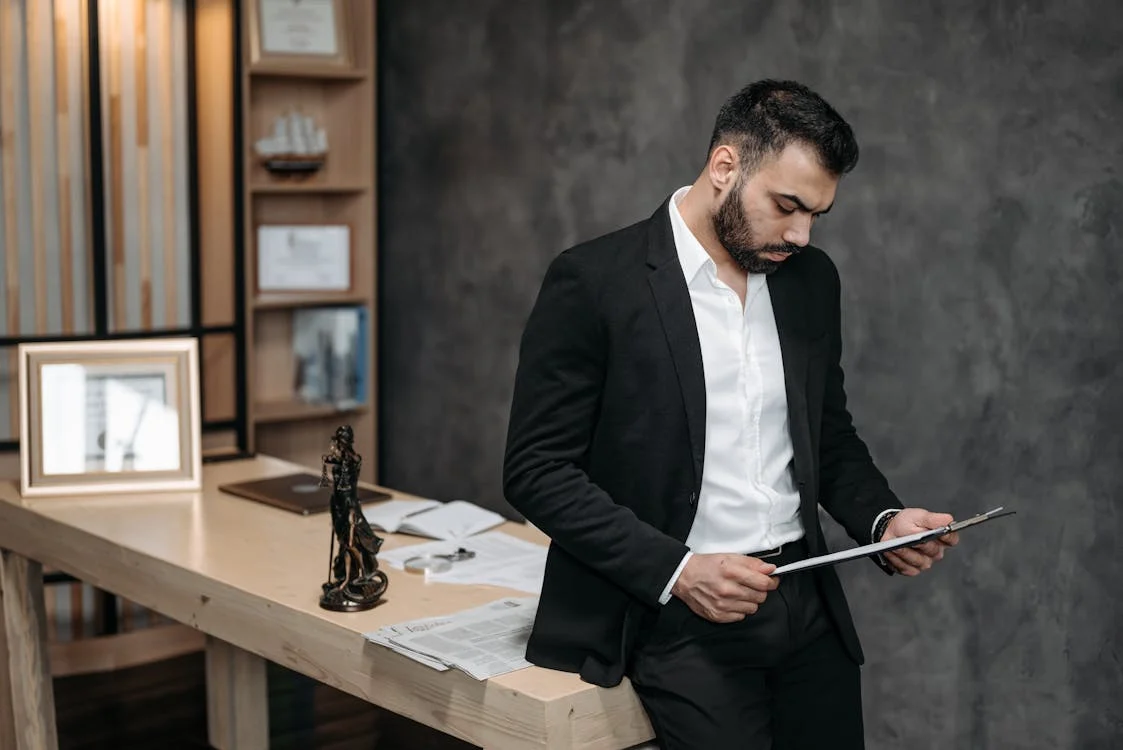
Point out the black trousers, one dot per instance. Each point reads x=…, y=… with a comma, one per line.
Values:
x=778, y=680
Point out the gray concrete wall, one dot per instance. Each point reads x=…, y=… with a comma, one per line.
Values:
x=979, y=245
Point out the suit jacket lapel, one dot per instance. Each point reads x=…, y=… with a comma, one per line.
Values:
x=786, y=289
x=672, y=299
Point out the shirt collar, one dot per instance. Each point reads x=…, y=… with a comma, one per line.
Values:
x=691, y=255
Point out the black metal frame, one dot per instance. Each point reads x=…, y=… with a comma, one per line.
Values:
x=380, y=235
x=241, y=406
x=100, y=249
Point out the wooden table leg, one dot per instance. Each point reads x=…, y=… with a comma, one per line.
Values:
x=27, y=695
x=237, y=698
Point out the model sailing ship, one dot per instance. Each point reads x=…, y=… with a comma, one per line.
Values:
x=296, y=147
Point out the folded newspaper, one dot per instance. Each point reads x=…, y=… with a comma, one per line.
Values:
x=483, y=642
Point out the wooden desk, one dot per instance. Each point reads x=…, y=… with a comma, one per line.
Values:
x=248, y=576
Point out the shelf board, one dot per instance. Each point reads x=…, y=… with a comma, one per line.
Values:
x=323, y=74
x=225, y=451
x=307, y=188
x=293, y=411
x=288, y=301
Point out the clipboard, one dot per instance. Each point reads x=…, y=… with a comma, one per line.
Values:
x=904, y=541
x=299, y=493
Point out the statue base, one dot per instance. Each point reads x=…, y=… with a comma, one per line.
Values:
x=355, y=596
x=342, y=604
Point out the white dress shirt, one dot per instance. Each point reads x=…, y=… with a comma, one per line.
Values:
x=749, y=500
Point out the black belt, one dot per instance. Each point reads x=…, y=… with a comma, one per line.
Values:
x=785, y=553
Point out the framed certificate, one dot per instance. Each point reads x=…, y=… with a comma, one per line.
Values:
x=300, y=32
x=304, y=258
x=109, y=416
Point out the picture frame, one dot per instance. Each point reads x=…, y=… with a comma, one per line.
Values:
x=299, y=257
x=300, y=33
x=106, y=417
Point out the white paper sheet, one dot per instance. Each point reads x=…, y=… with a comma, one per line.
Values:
x=501, y=560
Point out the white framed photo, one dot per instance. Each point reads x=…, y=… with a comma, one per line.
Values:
x=299, y=32
x=304, y=258
x=109, y=416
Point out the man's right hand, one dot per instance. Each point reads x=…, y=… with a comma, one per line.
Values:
x=724, y=588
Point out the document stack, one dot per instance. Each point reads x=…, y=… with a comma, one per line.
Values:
x=498, y=559
x=483, y=642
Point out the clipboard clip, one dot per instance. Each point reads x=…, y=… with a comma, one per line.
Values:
x=998, y=512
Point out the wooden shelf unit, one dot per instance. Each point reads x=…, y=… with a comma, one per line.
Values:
x=263, y=70
x=342, y=101
x=269, y=412
x=292, y=300
x=311, y=187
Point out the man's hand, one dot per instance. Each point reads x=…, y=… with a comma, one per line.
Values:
x=912, y=561
x=724, y=588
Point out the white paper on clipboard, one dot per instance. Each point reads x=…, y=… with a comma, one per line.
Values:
x=904, y=541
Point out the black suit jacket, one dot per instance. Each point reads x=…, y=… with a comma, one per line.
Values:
x=607, y=428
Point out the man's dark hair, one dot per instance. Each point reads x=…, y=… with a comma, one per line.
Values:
x=765, y=117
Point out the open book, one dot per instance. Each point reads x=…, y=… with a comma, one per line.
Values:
x=431, y=518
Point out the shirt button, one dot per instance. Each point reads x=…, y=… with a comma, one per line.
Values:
x=693, y=499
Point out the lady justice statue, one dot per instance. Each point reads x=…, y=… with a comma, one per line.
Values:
x=354, y=581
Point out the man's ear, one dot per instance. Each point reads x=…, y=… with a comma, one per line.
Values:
x=723, y=166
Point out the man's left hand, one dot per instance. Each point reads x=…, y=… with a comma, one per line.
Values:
x=912, y=561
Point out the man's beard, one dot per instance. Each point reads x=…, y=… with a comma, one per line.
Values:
x=735, y=232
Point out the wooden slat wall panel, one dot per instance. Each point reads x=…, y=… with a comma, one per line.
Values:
x=144, y=94
x=63, y=51
x=45, y=279
x=214, y=107
x=38, y=82
x=72, y=116
x=144, y=235
x=9, y=408
x=166, y=84
x=11, y=73
x=218, y=377
x=44, y=216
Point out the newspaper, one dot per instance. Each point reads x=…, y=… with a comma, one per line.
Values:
x=384, y=635
x=483, y=642
x=500, y=560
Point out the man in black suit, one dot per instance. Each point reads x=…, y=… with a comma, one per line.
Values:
x=678, y=417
